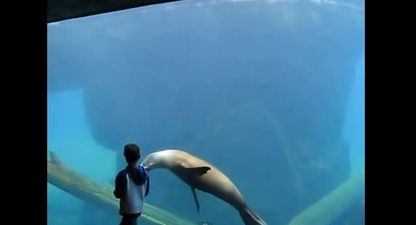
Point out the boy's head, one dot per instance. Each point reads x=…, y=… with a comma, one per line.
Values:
x=131, y=153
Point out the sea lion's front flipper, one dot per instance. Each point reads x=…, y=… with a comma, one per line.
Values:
x=198, y=171
x=195, y=198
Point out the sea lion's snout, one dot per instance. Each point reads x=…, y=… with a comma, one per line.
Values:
x=150, y=161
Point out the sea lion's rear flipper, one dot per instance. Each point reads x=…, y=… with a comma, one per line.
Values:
x=195, y=198
x=199, y=171
x=250, y=218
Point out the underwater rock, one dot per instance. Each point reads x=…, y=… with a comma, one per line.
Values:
x=304, y=62
x=332, y=206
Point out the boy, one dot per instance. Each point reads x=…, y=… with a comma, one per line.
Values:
x=131, y=186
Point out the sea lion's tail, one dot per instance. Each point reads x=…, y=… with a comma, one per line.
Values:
x=250, y=218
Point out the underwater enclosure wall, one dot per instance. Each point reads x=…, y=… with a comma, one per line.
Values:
x=270, y=92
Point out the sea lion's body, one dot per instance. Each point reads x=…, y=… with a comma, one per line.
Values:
x=202, y=175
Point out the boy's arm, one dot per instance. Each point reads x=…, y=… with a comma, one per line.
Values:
x=147, y=185
x=119, y=186
x=146, y=174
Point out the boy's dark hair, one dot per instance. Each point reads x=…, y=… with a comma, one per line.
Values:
x=131, y=153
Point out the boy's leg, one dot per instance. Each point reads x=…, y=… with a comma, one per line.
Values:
x=129, y=219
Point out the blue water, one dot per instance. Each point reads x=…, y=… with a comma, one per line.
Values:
x=354, y=122
x=271, y=92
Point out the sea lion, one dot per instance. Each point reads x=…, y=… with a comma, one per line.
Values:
x=199, y=174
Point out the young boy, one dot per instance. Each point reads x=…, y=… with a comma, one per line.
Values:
x=131, y=186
